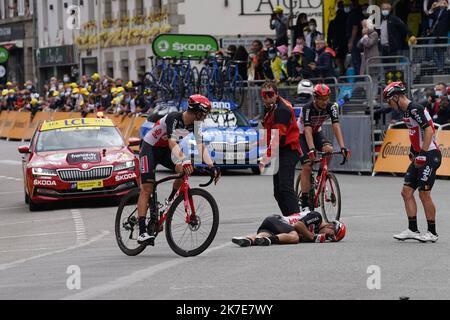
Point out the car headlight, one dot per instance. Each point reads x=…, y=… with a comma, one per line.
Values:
x=44, y=172
x=124, y=166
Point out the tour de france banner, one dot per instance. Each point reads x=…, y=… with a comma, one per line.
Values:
x=394, y=154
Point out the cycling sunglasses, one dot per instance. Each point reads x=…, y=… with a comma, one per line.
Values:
x=268, y=94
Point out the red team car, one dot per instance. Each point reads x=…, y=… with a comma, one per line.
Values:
x=77, y=158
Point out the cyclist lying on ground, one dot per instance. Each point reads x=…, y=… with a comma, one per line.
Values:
x=306, y=226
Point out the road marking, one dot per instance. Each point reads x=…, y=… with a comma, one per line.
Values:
x=9, y=208
x=11, y=178
x=31, y=221
x=135, y=277
x=11, y=162
x=23, y=250
x=37, y=235
x=80, y=229
x=18, y=262
x=11, y=192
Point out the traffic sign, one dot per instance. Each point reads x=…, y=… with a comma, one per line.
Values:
x=4, y=55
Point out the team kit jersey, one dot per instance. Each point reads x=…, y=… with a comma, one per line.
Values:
x=277, y=224
x=310, y=116
x=417, y=119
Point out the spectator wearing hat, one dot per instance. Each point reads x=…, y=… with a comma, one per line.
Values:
x=294, y=66
x=279, y=22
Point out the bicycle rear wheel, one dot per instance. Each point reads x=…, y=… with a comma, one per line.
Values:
x=298, y=191
x=191, y=239
x=330, y=199
x=127, y=226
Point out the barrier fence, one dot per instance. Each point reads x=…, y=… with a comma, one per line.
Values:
x=394, y=154
x=20, y=126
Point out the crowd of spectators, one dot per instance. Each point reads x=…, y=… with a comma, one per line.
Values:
x=92, y=94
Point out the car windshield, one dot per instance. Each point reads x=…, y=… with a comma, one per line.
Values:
x=78, y=138
x=225, y=118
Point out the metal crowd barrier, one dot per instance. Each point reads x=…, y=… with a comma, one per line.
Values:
x=427, y=56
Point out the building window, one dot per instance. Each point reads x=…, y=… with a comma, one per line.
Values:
x=110, y=69
x=61, y=12
x=141, y=68
x=108, y=10
x=123, y=8
x=45, y=14
x=91, y=10
x=140, y=7
x=125, y=70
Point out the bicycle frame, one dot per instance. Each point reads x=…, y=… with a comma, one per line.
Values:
x=323, y=176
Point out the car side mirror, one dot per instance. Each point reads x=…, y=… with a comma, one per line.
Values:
x=253, y=123
x=132, y=142
x=24, y=149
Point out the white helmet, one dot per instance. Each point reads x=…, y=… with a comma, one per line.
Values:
x=305, y=87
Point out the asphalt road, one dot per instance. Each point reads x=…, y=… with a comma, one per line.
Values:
x=40, y=250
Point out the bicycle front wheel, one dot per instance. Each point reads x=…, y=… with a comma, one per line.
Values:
x=330, y=199
x=191, y=239
x=127, y=226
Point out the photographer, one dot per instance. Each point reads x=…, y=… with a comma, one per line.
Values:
x=280, y=23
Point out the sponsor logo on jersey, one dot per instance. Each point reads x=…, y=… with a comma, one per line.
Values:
x=144, y=164
x=426, y=173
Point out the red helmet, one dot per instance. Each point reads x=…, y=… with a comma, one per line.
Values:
x=339, y=230
x=199, y=103
x=322, y=90
x=394, y=88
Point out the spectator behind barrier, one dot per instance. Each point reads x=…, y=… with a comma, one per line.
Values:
x=368, y=44
x=279, y=22
x=257, y=58
x=354, y=33
x=337, y=39
x=312, y=34
x=299, y=26
x=325, y=66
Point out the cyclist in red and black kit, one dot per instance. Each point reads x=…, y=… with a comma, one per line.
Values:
x=313, y=115
x=279, y=115
x=425, y=158
x=299, y=227
x=160, y=146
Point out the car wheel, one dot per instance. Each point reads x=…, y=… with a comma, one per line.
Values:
x=34, y=206
x=256, y=171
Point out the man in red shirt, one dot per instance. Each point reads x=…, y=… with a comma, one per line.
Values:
x=279, y=115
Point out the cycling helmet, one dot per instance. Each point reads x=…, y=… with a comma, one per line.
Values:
x=339, y=230
x=305, y=87
x=393, y=89
x=199, y=103
x=321, y=90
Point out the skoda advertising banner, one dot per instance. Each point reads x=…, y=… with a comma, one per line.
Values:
x=177, y=45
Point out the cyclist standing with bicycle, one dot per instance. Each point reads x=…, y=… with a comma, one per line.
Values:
x=313, y=115
x=425, y=159
x=160, y=146
x=279, y=115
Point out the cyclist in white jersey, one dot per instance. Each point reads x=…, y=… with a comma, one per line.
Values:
x=425, y=161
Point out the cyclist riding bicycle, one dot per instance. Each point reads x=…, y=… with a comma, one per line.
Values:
x=305, y=226
x=313, y=115
x=160, y=146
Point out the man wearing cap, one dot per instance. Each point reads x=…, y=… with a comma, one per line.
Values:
x=279, y=22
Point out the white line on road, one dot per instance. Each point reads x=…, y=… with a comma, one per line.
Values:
x=31, y=221
x=17, y=262
x=9, y=208
x=135, y=277
x=79, y=226
x=11, y=192
x=11, y=178
x=37, y=235
x=11, y=162
x=31, y=249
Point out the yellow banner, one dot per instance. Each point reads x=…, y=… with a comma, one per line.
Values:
x=72, y=123
x=443, y=141
x=393, y=156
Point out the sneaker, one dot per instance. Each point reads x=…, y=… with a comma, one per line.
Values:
x=242, y=241
x=264, y=241
x=427, y=237
x=407, y=234
x=146, y=239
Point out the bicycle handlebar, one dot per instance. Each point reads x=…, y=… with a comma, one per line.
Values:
x=181, y=175
x=329, y=154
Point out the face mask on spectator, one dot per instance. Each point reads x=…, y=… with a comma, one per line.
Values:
x=438, y=93
x=385, y=13
x=29, y=87
x=312, y=27
x=66, y=79
x=347, y=9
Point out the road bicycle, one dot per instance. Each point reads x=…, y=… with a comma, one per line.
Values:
x=325, y=191
x=233, y=82
x=190, y=221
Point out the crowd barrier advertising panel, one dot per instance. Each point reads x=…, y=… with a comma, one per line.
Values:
x=443, y=141
x=8, y=124
x=3, y=117
x=21, y=123
x=394, y=154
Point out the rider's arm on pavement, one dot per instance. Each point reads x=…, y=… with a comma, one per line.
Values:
x=303, y=232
